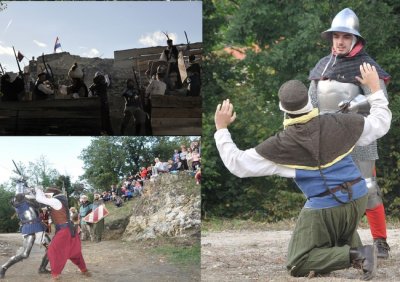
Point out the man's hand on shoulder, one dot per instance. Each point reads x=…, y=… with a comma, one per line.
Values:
x=369, y=77
x=224, y=115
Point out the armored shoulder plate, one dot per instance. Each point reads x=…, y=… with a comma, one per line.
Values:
x=331, y=92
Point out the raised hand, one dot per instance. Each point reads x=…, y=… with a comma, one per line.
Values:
x=224, y=115
x=369, y=77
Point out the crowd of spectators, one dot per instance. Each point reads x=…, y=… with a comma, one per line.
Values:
x=183, y=159
x=186, y=158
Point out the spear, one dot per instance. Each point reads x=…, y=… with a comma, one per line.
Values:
x=49, y=73
x=17, y=60
x=187, y=40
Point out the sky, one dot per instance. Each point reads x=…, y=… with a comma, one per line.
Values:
x=61, y=152
x=94, y=28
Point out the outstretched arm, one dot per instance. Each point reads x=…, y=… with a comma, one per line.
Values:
x=377, y=123
x=246, y=163
x=224, y=115
x=52, y=202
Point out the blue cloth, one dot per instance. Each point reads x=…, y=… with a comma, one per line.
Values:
x=29, y=227
x=311, y=183
x=84, y=210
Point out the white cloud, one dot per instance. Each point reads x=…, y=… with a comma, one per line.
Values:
x=4, y=50
x=8, y=25
x=40, y=44
x=93, y=52
x=156, y=38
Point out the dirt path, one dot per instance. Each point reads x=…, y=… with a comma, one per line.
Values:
x=107, y=261
x=261, y=256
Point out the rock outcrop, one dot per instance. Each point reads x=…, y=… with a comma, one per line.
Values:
x=170, y=206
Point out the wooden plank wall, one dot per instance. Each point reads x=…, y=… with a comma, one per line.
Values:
x=51, y=117
x=175, y=115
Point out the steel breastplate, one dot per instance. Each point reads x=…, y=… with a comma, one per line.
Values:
x=26, y=213
x=331, y=92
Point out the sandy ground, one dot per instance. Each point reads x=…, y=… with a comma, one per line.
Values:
x=107, y=261
x=261, y=256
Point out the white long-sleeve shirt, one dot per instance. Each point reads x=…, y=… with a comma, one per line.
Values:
x=52, y=202
x=249, y=163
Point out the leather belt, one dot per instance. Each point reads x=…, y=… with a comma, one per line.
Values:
x=345, y=187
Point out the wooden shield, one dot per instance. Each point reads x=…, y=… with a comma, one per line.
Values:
x=181, y=66
x=96, y=215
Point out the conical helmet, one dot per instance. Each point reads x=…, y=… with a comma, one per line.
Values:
x=345, y=21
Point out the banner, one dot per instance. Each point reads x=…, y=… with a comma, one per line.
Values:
x=57, y=44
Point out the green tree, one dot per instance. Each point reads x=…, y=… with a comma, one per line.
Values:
x=8, y=219
x=41, y=172
x=2, y=6
x=108, y=159
x=281, y=41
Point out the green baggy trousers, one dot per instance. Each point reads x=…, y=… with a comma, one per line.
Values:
x=98, y=229
x=322, y=238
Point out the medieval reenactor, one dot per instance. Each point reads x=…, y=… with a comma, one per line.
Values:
x=193, y=77
x=315, y=150
x=133, y=109
x=156, y=86
x=10, y=89
x=99, y=88
x=66, y=243
x=78, y=88
x=170, y=55
x=27, y=209
x=332, y=82
x=42, y=89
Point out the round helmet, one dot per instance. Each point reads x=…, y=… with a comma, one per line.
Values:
x=345, y=21
x=75, y=72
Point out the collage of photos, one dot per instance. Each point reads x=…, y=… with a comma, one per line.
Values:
x=100, y=124
x=204, y=140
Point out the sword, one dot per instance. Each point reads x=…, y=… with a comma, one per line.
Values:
x=16, y=167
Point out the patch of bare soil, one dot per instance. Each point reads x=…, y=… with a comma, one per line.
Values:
x=112, y=260
x=261, y=256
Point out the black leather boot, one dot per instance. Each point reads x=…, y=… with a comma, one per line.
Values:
x=366, y=259
x=2, y=272
x=383, y=248
x=42, y=267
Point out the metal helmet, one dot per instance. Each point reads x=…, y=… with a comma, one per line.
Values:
x=345, y=21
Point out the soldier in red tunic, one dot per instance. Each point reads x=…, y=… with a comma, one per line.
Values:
x=66, y=244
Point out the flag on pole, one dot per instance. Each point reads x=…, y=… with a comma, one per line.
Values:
x=57, y=45
x=20, y=56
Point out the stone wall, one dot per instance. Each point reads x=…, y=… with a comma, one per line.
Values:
x=170, y=207
x=119, y=68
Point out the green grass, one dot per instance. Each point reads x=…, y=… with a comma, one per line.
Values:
x=122, y=212
x=186, y=254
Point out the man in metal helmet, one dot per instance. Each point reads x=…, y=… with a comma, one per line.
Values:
x=334, y=88
x=315, y=151
x=27, y=209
